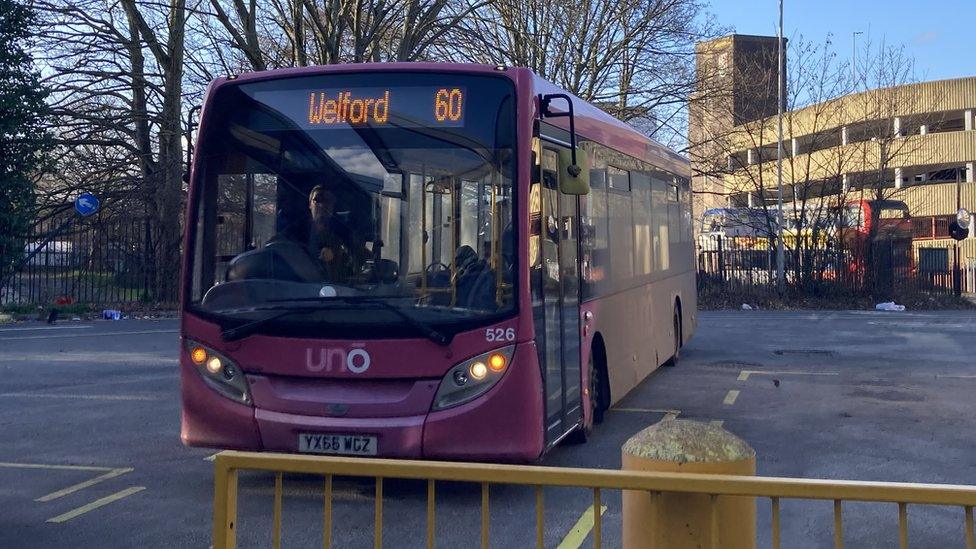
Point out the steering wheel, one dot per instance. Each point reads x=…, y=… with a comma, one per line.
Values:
x=436, y=267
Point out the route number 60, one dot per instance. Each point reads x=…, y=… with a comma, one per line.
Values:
x=500, y=334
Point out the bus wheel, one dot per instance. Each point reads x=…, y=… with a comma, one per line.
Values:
x=596, y=398
x=673, y=361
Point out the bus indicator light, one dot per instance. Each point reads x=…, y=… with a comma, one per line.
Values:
x=496, y=362
x=198, y=355
x=479, y=370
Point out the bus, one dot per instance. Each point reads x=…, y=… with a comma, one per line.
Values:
x=892, y=235
x=423, y=261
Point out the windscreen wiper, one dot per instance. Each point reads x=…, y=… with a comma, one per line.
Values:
x=244, y=330
x=429, y=331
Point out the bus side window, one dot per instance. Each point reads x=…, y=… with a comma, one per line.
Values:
x=643, y=248
x=596, y=239
x=621, y=229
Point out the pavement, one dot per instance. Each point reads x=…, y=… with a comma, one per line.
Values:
x=90, y=452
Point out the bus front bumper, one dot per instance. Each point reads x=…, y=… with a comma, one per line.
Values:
x=504, y=424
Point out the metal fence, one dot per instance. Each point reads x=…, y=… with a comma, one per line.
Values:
x=102, y=260
x=227, y=465
x=742, y=263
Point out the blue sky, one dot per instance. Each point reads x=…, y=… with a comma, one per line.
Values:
x=937, y=33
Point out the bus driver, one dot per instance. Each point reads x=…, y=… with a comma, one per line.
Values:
x=331, y=242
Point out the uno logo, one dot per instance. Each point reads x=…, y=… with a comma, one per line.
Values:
x=327, y=359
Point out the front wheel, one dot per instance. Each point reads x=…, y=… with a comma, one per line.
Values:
x=596, y=391
x=595, y=386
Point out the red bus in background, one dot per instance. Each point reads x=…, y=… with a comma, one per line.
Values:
x=893, y=232
x=423, y=261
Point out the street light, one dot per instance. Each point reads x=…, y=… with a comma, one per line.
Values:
x=959, y=229
x=964, y=218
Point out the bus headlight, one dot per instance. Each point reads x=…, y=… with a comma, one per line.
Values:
x=219, y=372
x=472, y=378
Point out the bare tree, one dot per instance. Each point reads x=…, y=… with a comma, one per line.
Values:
x=634, y=58
x=116, y=72
x=276, y=33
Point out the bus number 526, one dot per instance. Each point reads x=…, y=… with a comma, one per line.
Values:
x=500, y=334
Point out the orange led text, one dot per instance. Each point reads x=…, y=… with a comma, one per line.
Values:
x=344, y=109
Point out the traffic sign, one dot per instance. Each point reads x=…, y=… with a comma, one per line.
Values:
x=86, y=204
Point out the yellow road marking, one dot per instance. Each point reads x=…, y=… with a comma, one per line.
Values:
x=574, y=539
x=82, y=485
x=81, y=397
x=665, y=411
x=35, y=328
x=96, y=504
x=9, y=465
x=95, y=334
x=744, y=375
x=730, y=397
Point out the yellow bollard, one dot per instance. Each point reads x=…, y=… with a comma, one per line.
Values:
x=678, y=521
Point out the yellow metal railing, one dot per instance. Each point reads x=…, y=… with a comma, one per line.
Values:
x=227, y=464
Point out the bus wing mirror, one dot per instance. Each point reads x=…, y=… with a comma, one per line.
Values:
x=574, y=178
x=574, y=168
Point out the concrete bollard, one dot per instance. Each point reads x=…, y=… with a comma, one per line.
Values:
x=678, y=521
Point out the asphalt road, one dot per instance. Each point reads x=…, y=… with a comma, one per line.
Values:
x=90, y=453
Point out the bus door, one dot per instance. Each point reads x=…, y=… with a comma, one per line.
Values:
x=556, y=299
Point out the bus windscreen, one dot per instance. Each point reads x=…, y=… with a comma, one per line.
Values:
x=356, y=199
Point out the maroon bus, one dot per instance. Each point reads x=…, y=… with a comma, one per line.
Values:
x=424, y=261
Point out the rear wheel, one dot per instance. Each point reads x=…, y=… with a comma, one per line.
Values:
x=673, y=361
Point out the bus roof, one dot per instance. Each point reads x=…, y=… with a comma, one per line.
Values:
x=591, y=122
x=596, y=124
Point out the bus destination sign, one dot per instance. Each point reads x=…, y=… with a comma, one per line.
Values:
x=423, y=106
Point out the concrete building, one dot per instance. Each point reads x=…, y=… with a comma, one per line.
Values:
x=915, y=143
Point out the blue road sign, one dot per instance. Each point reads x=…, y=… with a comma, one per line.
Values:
x=86, y=204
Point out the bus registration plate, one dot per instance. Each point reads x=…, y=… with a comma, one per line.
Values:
x=317, y=443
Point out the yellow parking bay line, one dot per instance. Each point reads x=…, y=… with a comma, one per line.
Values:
x=62, y=336
x=744, y=374
x=81, y=397
x=36, y=328
x=667, y=412
x=82, y=485
x=730, y=397
x=9, y=465
x=74, y=513
x=574, y=539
